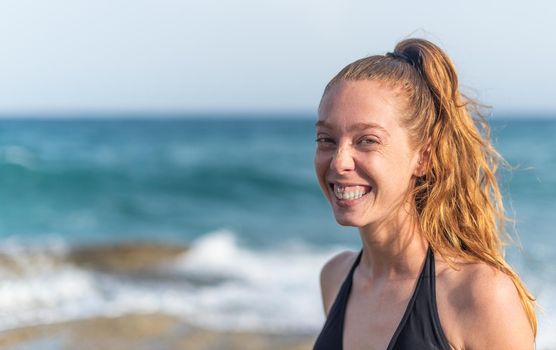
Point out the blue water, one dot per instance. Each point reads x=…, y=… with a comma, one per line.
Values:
x=241, y=187
x=176, y=179
x=161, y=179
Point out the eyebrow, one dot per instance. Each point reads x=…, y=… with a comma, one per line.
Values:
x=356, y=126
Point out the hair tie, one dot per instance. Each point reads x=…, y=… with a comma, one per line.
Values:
x=414, y=61
x=401, y=56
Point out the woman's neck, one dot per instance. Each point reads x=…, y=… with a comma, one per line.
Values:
x=393, y=249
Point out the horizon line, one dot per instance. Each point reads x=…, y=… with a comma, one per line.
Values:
x=218, y=113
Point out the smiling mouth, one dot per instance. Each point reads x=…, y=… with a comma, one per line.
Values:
x=349, y=192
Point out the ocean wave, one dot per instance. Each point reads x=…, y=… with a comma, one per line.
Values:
x=208, y=181
x=214, y=282
x=18, y=155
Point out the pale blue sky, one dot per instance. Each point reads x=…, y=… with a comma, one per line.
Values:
x=252, y=55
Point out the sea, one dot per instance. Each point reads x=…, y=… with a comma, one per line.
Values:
x=215, y=218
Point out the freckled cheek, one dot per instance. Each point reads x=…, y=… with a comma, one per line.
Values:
x=381, y=173
x=322, y=160
x=394, y=177
x=322, y=163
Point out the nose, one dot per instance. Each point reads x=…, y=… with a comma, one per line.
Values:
x=343, y=160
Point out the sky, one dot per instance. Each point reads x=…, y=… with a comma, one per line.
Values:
x=251, y=55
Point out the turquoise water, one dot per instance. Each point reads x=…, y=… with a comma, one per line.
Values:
x=176, y=179
x=161, y=179
x=240, y=191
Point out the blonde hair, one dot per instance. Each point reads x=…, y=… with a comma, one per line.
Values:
x=458, y=200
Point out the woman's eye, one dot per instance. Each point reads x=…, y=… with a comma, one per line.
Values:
x=323, y=140
x=368, y=141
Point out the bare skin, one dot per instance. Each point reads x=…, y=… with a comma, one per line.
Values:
x=361, y=145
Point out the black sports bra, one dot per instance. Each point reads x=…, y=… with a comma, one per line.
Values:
x=419, y=328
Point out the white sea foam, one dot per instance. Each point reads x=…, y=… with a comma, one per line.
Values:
x=274, y=290
x=218, y=284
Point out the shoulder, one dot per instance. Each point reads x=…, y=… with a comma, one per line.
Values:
x=332, y=276
x=485, y=308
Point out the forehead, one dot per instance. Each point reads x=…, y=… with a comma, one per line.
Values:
x=348, y=103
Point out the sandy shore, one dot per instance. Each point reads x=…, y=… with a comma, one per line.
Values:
x=156, y=332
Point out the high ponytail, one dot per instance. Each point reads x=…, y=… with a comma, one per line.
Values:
x=458, y=200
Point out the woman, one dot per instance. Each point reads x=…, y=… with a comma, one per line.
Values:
x=400, y=157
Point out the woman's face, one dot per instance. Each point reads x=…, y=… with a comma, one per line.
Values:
x=364, y=162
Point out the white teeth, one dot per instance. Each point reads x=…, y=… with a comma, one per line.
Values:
x=349, y=195
x=349, y=192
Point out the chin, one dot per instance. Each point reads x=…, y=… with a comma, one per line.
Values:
x=346, y=221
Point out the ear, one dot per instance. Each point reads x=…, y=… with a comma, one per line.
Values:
x=424, y=159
